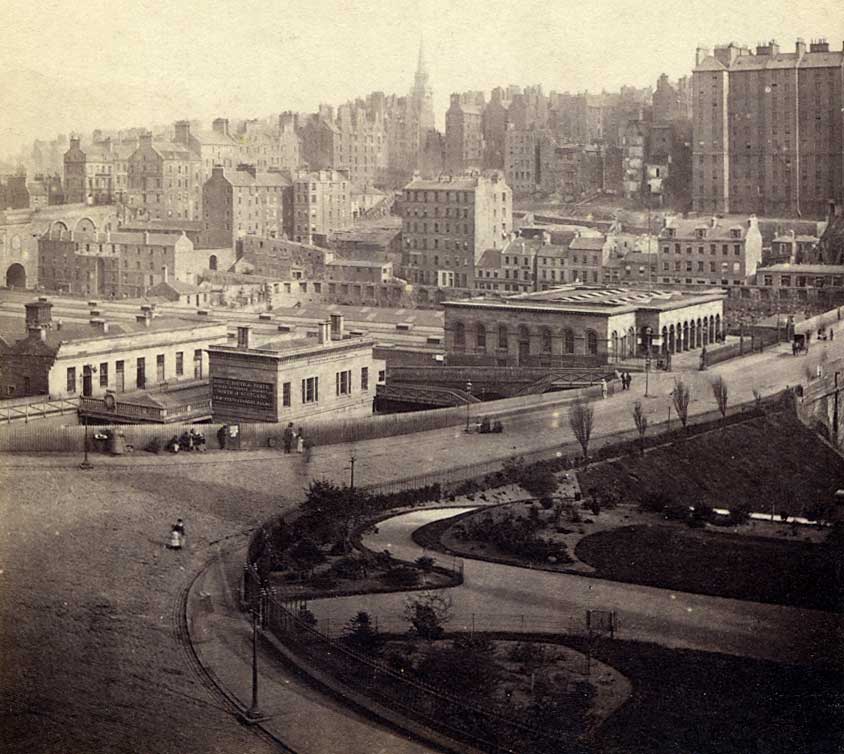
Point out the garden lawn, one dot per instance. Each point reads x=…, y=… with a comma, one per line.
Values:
x=771, y=462
x=687, y=702
x=672, y=556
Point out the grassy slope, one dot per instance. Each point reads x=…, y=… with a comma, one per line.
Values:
x=773, y=460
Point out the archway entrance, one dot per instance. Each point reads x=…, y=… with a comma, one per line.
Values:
x=16, y=276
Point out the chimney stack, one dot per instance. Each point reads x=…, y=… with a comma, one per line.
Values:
x=337, y=327
x=324, y=333
x=99, y=324
x=182, y=132
x=38, y=313
x=143, y=319
x=244, y=336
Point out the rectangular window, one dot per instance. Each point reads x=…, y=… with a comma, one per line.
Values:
x=364, y=378
x=141, y=375
x=310, y=390
x=285, y=394
x=119, y=382
x=197, y=364
x=104, y=374
x=343, y=382
x=180, y=363
x=382, y=375
x=159, y=368
x=71, y=379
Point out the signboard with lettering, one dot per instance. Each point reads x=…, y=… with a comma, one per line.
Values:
x=243, y=393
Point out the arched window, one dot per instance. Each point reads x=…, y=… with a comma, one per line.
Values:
x=592, y=342
x=481, y=337
x=459, y=336
x=615, y=345
x=546, y=340
x=568, y=341
x=502, y=336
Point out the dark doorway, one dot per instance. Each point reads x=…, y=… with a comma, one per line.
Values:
x=16, y=276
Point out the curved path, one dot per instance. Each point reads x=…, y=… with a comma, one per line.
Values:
x=510, y=598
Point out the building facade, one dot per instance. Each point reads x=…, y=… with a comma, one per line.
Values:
x=91, y=359
x=322, y=203
x=700, y=252
x=108, y=263
x=330, y=376
x=464, y=138
x=768, y=129
x=449, y=223
x=164, y=181
x=584, y=324
x=243, y=202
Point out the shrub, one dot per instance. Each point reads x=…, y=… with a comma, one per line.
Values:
x=361, y=634
x=696, y=523
x=402, y=576
x=427, y=614
x=323, y=580
x=425, y=563
x=349, y=568
x=675, y=513
x=655, y=501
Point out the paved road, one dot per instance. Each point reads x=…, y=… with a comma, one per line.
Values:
x=507, y=597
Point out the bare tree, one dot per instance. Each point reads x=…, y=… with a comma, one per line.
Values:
x=581, y=416
x=641, y=423
x=721, y=393
x=681, y=395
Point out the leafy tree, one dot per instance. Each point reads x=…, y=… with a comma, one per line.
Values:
x=681, y=396
x=581, y=418
x=641, y=424
x=466, y=668
x=427, y=614
x=305, y=555
x=362, y=635
x=721, y=393
x=332, y=511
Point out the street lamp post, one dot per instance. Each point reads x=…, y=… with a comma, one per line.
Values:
x=86, y=465
x=352, y=460
x=254, y=715
x=469, y=391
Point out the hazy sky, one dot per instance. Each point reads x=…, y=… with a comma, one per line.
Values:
x=200, y=59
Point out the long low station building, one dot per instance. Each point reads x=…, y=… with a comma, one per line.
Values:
x=577, y=325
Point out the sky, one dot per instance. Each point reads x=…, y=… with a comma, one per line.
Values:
x=119, y=63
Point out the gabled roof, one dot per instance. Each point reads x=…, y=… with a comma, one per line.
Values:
x=588, y=243
x=709, y=63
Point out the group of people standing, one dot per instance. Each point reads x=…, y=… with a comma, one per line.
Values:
x=293, y=439
x=626, y=379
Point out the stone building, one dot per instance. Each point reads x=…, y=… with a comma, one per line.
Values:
x=801, y=282
x=110, y=264
x=20, y=231
x=717, y=251
x=330, y=376
x=322, y=203
x=164, y=180
x=280, y=259
x=449, y=223
x=269, y=147
x=91, y=359
x=768, y=129
x=464, y=140
x=579, y=324
x=243, y=201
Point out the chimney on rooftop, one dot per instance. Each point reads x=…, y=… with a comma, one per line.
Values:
x=100, y=325
x=38, y=313
x=143, y=319
x=244, y=337
x=182, y=128
x=713, y=221
x=800, y=46
x=324, y=333
x=145, y=139
x=337, y=327
x=221, y=126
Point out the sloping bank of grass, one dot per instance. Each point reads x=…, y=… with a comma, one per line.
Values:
x=761, y=569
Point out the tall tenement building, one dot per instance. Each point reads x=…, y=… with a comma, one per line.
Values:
x=448, y=223
x=768, y=130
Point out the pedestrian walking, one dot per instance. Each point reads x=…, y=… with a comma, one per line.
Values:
x=177, y=535
x=287, y=437
x=603, y=388
x=627, y=379
x=300, y=441
x=307, y=447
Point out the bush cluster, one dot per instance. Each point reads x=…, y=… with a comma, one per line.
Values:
x=517, y=536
